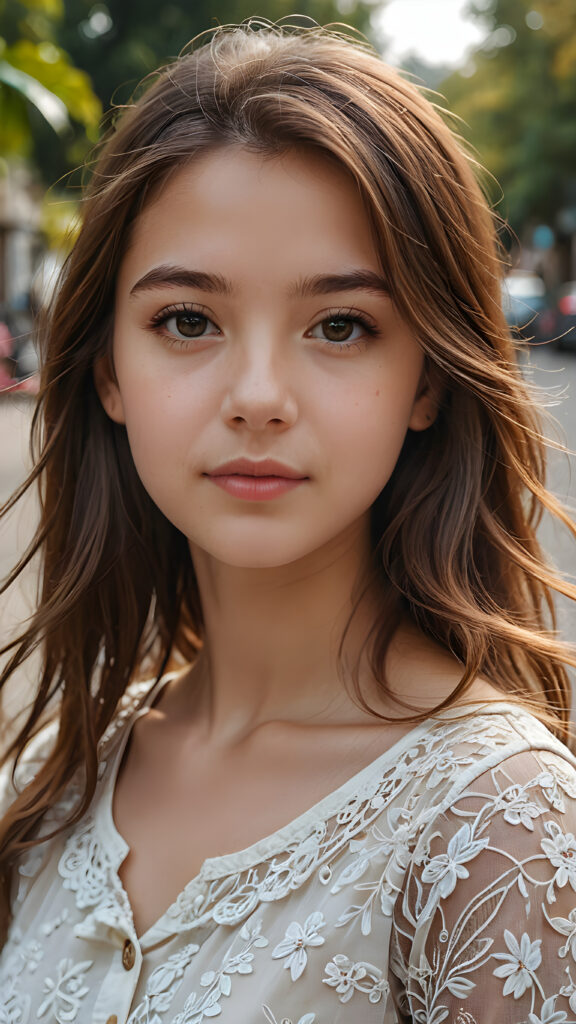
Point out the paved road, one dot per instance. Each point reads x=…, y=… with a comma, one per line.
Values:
x=551, y=370
x=17, y=528
x=554, y=373
x=15, y=532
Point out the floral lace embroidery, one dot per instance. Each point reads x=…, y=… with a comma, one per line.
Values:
x=348, y=977
x=521, y=964
x=231, y=899
x=14, y=1009
x=565, y=926
x=308, y=1018
x=556, y=783
x=21, y=957
x=462, y=950
x=65, y=994
x=393, y=849
x=162, y=986
x=379, y=839
x=445, y=870
x=561, y=852
x=296, y=941
x=218, y=984
x=548, y=1014
x=86, y=871
x=50, y=926
x=569, y=991
x=84, y=867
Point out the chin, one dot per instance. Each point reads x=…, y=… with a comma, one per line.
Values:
x=258, y=557
x=254, y=552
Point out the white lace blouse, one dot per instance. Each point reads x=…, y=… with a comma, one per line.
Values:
x=438, y=884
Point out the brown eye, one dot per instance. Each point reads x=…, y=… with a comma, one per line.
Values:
x=181, y=325
x=187, y=325
x=344, y=329
x=338, y=328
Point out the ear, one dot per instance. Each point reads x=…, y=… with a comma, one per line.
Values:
x=108, y=390
x=427, y=402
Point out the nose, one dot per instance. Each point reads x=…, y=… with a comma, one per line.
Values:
x=259, y=394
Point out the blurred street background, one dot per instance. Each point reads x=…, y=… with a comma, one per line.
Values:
x=505, y=68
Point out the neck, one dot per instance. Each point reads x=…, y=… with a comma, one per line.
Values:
x=272, y=637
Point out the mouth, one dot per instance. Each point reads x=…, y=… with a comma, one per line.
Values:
x=264, y=469
x=256, y=481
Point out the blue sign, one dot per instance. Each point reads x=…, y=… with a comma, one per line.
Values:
x=542, y=237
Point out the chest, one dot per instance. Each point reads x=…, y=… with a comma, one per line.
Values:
x=268, y=942
x=177, y=808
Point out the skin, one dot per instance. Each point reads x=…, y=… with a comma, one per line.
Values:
x=264, y=710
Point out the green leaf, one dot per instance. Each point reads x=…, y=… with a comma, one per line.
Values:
x=51, y=67
x=52, y=108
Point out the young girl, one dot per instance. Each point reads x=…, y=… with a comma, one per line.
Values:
x=286, y=453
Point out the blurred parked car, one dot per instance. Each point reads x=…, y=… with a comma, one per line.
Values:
x=524, y=304
x=561, y=316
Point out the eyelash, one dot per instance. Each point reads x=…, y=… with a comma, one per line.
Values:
x=369, y=328
x=161, y=318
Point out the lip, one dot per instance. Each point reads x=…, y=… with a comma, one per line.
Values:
x=262, y=468
x=256, y=481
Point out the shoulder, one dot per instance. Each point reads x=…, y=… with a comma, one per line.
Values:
x=483, y=736
x=491, y=881
x=497, y=791
x=16, y=774
x=139, y=694
x=496, y=755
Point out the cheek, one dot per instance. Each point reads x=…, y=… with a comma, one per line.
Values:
x=367, y=434
x=161, y=403
x=157, y=434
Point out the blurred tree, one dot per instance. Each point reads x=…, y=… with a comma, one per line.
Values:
x=44, y=43
x=120, y=41
x=518, y=96
x=44, y=98
x=424, y=73
x=63, y=61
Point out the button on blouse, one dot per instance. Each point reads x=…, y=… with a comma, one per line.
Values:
x=128, y=955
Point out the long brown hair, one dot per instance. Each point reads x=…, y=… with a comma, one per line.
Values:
x=453, y=531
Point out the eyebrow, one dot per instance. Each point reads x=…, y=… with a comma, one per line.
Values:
x=352, y=281
x=169, y=276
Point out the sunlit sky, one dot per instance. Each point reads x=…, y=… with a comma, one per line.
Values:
x=436, y=30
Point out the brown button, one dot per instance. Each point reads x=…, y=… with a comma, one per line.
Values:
x=128, y=956
x=112, y=1020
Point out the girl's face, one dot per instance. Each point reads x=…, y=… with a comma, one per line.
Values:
x=253, y=323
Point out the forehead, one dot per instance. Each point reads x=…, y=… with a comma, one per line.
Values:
x=244, y=209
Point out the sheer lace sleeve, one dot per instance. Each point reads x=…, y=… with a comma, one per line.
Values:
x=486, y=925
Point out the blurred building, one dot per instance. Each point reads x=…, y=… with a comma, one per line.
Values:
x=20, y=236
